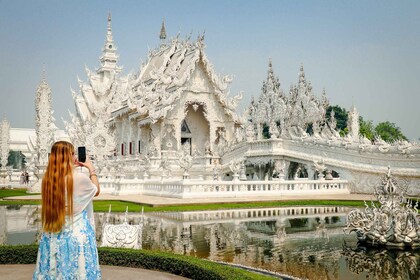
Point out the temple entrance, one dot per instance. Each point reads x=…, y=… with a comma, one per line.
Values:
x=185, y=140
x=186, y=135
x=195, y=130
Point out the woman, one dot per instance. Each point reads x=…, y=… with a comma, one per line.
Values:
x=67, y=249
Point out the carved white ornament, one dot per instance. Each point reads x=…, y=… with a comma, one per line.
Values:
x=4, y=142
x=43, y=122
x=394, y=223
x=122, y=235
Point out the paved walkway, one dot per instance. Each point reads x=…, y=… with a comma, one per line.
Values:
x=157, y=201
x=25, y=271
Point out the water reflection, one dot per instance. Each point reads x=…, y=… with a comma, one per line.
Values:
x=383, y=264
x=305, y=242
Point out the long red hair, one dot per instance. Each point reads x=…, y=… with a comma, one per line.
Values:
x=57, y=187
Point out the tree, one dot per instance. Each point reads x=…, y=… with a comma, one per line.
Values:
x=366, y=128
x=389, y=132
x=341, y=116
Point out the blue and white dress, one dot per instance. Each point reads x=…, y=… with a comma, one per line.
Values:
x=72, y=253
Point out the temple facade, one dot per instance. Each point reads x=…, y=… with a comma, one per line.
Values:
x=172, y=129
x=174, y=113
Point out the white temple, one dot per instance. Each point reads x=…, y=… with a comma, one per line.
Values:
x=174, y=123
x=172, y=129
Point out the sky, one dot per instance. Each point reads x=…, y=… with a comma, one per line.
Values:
x=365, y=53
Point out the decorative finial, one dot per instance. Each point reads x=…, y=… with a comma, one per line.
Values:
x=44, y=74
x=162, y=35
x=270, y=72
x=109, y=25
x=302, y=75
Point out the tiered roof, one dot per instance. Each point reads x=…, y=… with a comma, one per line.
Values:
x=165, y=75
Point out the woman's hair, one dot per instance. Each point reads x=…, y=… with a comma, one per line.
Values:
x=57, y=187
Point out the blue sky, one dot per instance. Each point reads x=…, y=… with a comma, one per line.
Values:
x=361, y=52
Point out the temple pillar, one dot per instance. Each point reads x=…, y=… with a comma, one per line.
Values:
x=156, y=138
x=311, y=172
x=259, y=132
x=138, y=140
x=213, y=135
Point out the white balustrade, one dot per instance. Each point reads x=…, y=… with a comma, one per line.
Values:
x=203, y=188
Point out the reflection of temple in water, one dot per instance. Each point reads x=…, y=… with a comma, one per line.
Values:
x=302, y=241
x=3, y=225
x=262, y=237
x=383, y=264
x=19, y=223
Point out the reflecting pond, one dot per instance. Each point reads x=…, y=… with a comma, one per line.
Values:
x=306, y=242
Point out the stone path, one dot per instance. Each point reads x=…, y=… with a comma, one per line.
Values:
x=25, y=271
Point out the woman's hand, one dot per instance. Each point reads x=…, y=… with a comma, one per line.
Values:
x=88, y=164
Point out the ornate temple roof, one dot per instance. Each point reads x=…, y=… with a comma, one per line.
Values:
x=166, y=74
x=295, y=111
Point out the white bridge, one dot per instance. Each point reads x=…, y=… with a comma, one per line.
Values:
x=188, y=188
x=362, y=165
x=356, y=168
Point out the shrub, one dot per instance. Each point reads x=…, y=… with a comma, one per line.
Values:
x=189, y=267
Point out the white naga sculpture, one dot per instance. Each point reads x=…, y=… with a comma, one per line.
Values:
x=395, y=223
x=122, y=235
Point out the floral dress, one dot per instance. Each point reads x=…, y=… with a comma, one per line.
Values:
x=72, y=252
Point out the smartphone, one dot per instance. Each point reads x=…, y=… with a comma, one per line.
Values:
x=81, y=153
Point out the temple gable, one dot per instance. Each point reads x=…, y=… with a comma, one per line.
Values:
x=199, y=81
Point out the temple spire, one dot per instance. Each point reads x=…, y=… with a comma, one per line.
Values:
x=302, y=80
x=162, y=34
x=44, y=73
x=270, y=66
x=109, y=56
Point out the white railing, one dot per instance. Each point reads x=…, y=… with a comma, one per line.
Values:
x=204, y=188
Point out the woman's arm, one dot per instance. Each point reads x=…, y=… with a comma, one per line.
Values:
x=92, y=173
x=94, y=178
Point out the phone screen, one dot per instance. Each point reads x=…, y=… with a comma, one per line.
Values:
x=81, y=152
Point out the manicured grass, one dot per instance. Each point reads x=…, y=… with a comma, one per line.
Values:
x=120, y=206
x=14, y=192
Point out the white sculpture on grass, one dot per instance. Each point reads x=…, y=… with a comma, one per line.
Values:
x=122, y=235
x=395, y=223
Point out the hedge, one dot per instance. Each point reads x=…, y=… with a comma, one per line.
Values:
x=186, y=266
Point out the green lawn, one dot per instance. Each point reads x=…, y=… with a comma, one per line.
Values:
x=120, y=206
x=13, y=192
